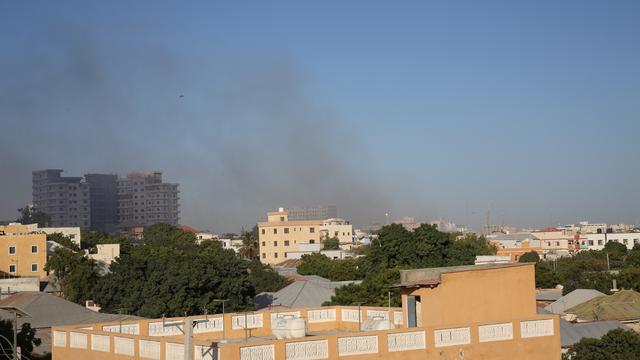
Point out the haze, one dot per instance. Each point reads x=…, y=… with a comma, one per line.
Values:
x=422, y=108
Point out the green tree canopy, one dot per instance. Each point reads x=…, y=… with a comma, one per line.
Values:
x=335, y=270
x=250, y=249
x=32, y=215
x=332, y=243
x=27, y=339
x=530, y=256
x=75, y=273
x=617, y=344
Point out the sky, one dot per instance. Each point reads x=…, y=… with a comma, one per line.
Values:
x=526, y=111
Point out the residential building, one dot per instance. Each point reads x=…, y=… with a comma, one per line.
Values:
x=588, y=228
x=65, y=199
x=437, y=321
x=24, y=253
x=144, y=199
x=46, y=310
x=408, y=222
x=312, y=213
x=515, y=245
x=557, y=242
x=340, y=229
x=106, y=253
x=73, y=233
x=278, y=235
x=598, y=241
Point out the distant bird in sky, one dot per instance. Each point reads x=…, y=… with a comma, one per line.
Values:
x=181, y=96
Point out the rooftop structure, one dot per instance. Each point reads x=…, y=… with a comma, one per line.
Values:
x=479, y=312
x=622, y=306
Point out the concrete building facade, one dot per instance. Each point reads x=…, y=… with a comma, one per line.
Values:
x=467, y=312
x=278, y=235
x=24, y=253
x=65, y=199
x=340, y=229
x=144, y=199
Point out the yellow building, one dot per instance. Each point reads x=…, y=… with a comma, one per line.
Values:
x=463, y=312
x=24, y=253
x=278, y=236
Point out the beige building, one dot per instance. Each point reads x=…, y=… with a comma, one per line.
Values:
x=24, y=253
x=278, y=235
x=438, y=320
x=338, y=228
x=557, y=242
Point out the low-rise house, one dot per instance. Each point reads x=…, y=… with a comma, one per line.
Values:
x=48, y=310
x=574, y=298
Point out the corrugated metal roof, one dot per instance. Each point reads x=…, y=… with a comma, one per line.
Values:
x=571, y=333
x=549, y=295
x=572, y=299
x=48, y=310
x=624, y=305
x=308, y=291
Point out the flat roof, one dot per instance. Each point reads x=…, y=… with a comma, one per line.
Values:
x=433, y=276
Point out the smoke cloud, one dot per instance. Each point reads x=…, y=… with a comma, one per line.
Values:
x=242, y=135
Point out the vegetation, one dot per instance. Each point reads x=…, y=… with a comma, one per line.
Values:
x=250, y=249
x=593, y=269
x=617, y=344
x=531, y=256
x=26, y=340
x=32, y=215
x=332, y=243
x=169, y=274
x=335, y=270
x=396, y=248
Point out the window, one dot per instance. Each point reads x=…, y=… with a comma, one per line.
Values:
x=12, y=250
x=599, y=242
x=286, y=243
x=264, y=243
x=312, y=230
x=281, y=218
x=335, y=233
x=275, y=255
x=286, y=230
x=285, y=255
x=264, y=255
x=557, y=243
x=12, y=268
x=34, y=249
x=263, y=231
x=275, y=231
x=590, y=242
x=34, y=267
x=312, y=241
x=625, y=241
x=275, y=243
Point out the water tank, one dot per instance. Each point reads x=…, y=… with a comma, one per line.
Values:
x=377, y=323
x=289, y=327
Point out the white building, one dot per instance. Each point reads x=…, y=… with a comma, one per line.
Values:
x=588, y=228
x=106, y=253
x=598, y=241
x=307, y=249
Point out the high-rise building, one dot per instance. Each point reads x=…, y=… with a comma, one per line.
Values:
x=104, y=202
x=312, y=213
x=143, y=200
x=65, y=199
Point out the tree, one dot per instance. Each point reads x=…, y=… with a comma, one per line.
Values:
x=27, y=339
x=63, y=240
x=32, y=215
x=617, y=344
x=464, y=249
x=617, y=253
x=75, y=273
x=629, y=278
x=174, y=277
x=160, y=234
x=265, y=279
x=332, y=243
x=530, y=256
x=633, y=257
x=373, y=291
x=335, y=270
x=250, y=248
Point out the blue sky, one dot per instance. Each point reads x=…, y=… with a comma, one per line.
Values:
x=430, y=109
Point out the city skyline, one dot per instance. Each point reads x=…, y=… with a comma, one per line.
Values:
x=425, y=110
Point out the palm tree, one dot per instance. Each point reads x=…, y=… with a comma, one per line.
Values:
x=249, y=249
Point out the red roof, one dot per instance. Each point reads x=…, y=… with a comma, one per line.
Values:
x=188, y=229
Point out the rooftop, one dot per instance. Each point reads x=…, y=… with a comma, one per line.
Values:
x=623, y=306
x=433, y=276
x=576, y=297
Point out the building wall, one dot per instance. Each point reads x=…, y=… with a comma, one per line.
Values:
x=64, y=199
x=598, y=241
x=144, y=200
x=73, y=233
x=23, y=258
x=103, y=199
x=278, y=236
x=340, y=229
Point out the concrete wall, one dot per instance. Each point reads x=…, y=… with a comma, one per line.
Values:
x=27, y=283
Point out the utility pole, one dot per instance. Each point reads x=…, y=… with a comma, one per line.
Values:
x=188, y=337
x=223, y=327
x=17, y=312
